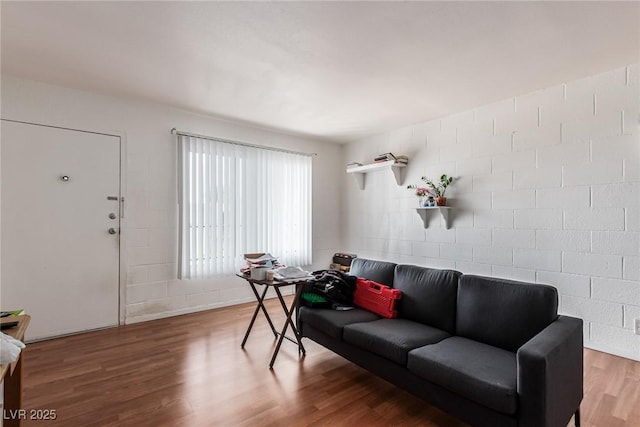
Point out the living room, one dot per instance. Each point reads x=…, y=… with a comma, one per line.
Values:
x=533, y=108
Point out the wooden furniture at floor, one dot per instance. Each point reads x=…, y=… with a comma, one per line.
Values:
x=11, y=374
x=288, y=311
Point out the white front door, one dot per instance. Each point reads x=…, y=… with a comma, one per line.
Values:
x=60, y=196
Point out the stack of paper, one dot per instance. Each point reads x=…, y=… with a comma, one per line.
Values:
x=291, y=273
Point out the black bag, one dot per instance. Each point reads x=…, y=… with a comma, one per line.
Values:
x=335, y=286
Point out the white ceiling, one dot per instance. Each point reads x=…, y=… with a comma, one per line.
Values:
x=331, y=70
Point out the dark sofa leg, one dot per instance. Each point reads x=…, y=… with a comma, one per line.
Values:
x=576, y=418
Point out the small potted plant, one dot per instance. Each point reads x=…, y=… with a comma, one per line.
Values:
x=438, y=188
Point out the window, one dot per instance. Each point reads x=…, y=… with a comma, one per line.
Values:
x=236, y=199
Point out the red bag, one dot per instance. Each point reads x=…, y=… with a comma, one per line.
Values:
x=377, y=298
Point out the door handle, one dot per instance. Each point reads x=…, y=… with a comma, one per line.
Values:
x=112, y=230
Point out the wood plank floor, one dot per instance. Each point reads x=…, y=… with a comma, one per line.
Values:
x=190, y=371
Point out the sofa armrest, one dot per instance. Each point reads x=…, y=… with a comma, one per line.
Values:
x=550, y=369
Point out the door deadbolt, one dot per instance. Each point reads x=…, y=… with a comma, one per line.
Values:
x=112, y=216
x=112, y=230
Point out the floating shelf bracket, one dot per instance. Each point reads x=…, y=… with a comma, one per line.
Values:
x=444, y=214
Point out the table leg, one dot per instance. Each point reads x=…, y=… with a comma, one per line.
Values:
x=288, y=311
x=294, y=325
x=13, y=396
x=260, y=306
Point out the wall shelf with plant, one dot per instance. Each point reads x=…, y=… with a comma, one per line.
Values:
x=433, y=190
x=431, y=197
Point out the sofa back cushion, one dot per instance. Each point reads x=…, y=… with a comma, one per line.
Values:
x=503, y=313
x=378, y=271
x=428, y=295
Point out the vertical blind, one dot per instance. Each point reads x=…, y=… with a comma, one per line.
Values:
x=236, y=199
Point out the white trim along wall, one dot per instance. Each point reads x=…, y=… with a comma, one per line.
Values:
x=150, y=286
x=548, y=191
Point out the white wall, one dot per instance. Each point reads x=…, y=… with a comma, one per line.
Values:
x=548, y=190
x=151, y=289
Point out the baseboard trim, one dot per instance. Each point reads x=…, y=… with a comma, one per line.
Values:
x=612, y=350
x=189, y=310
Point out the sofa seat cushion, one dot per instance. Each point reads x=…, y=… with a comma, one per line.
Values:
x=331, y=322
x=392, y=338
x=479, y=372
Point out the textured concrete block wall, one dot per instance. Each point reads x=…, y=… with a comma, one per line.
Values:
x=547, y=190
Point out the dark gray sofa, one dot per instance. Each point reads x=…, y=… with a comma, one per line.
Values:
x=490, y=351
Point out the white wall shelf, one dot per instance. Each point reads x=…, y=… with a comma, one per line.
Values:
x=425, y=213
x=359, y=172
